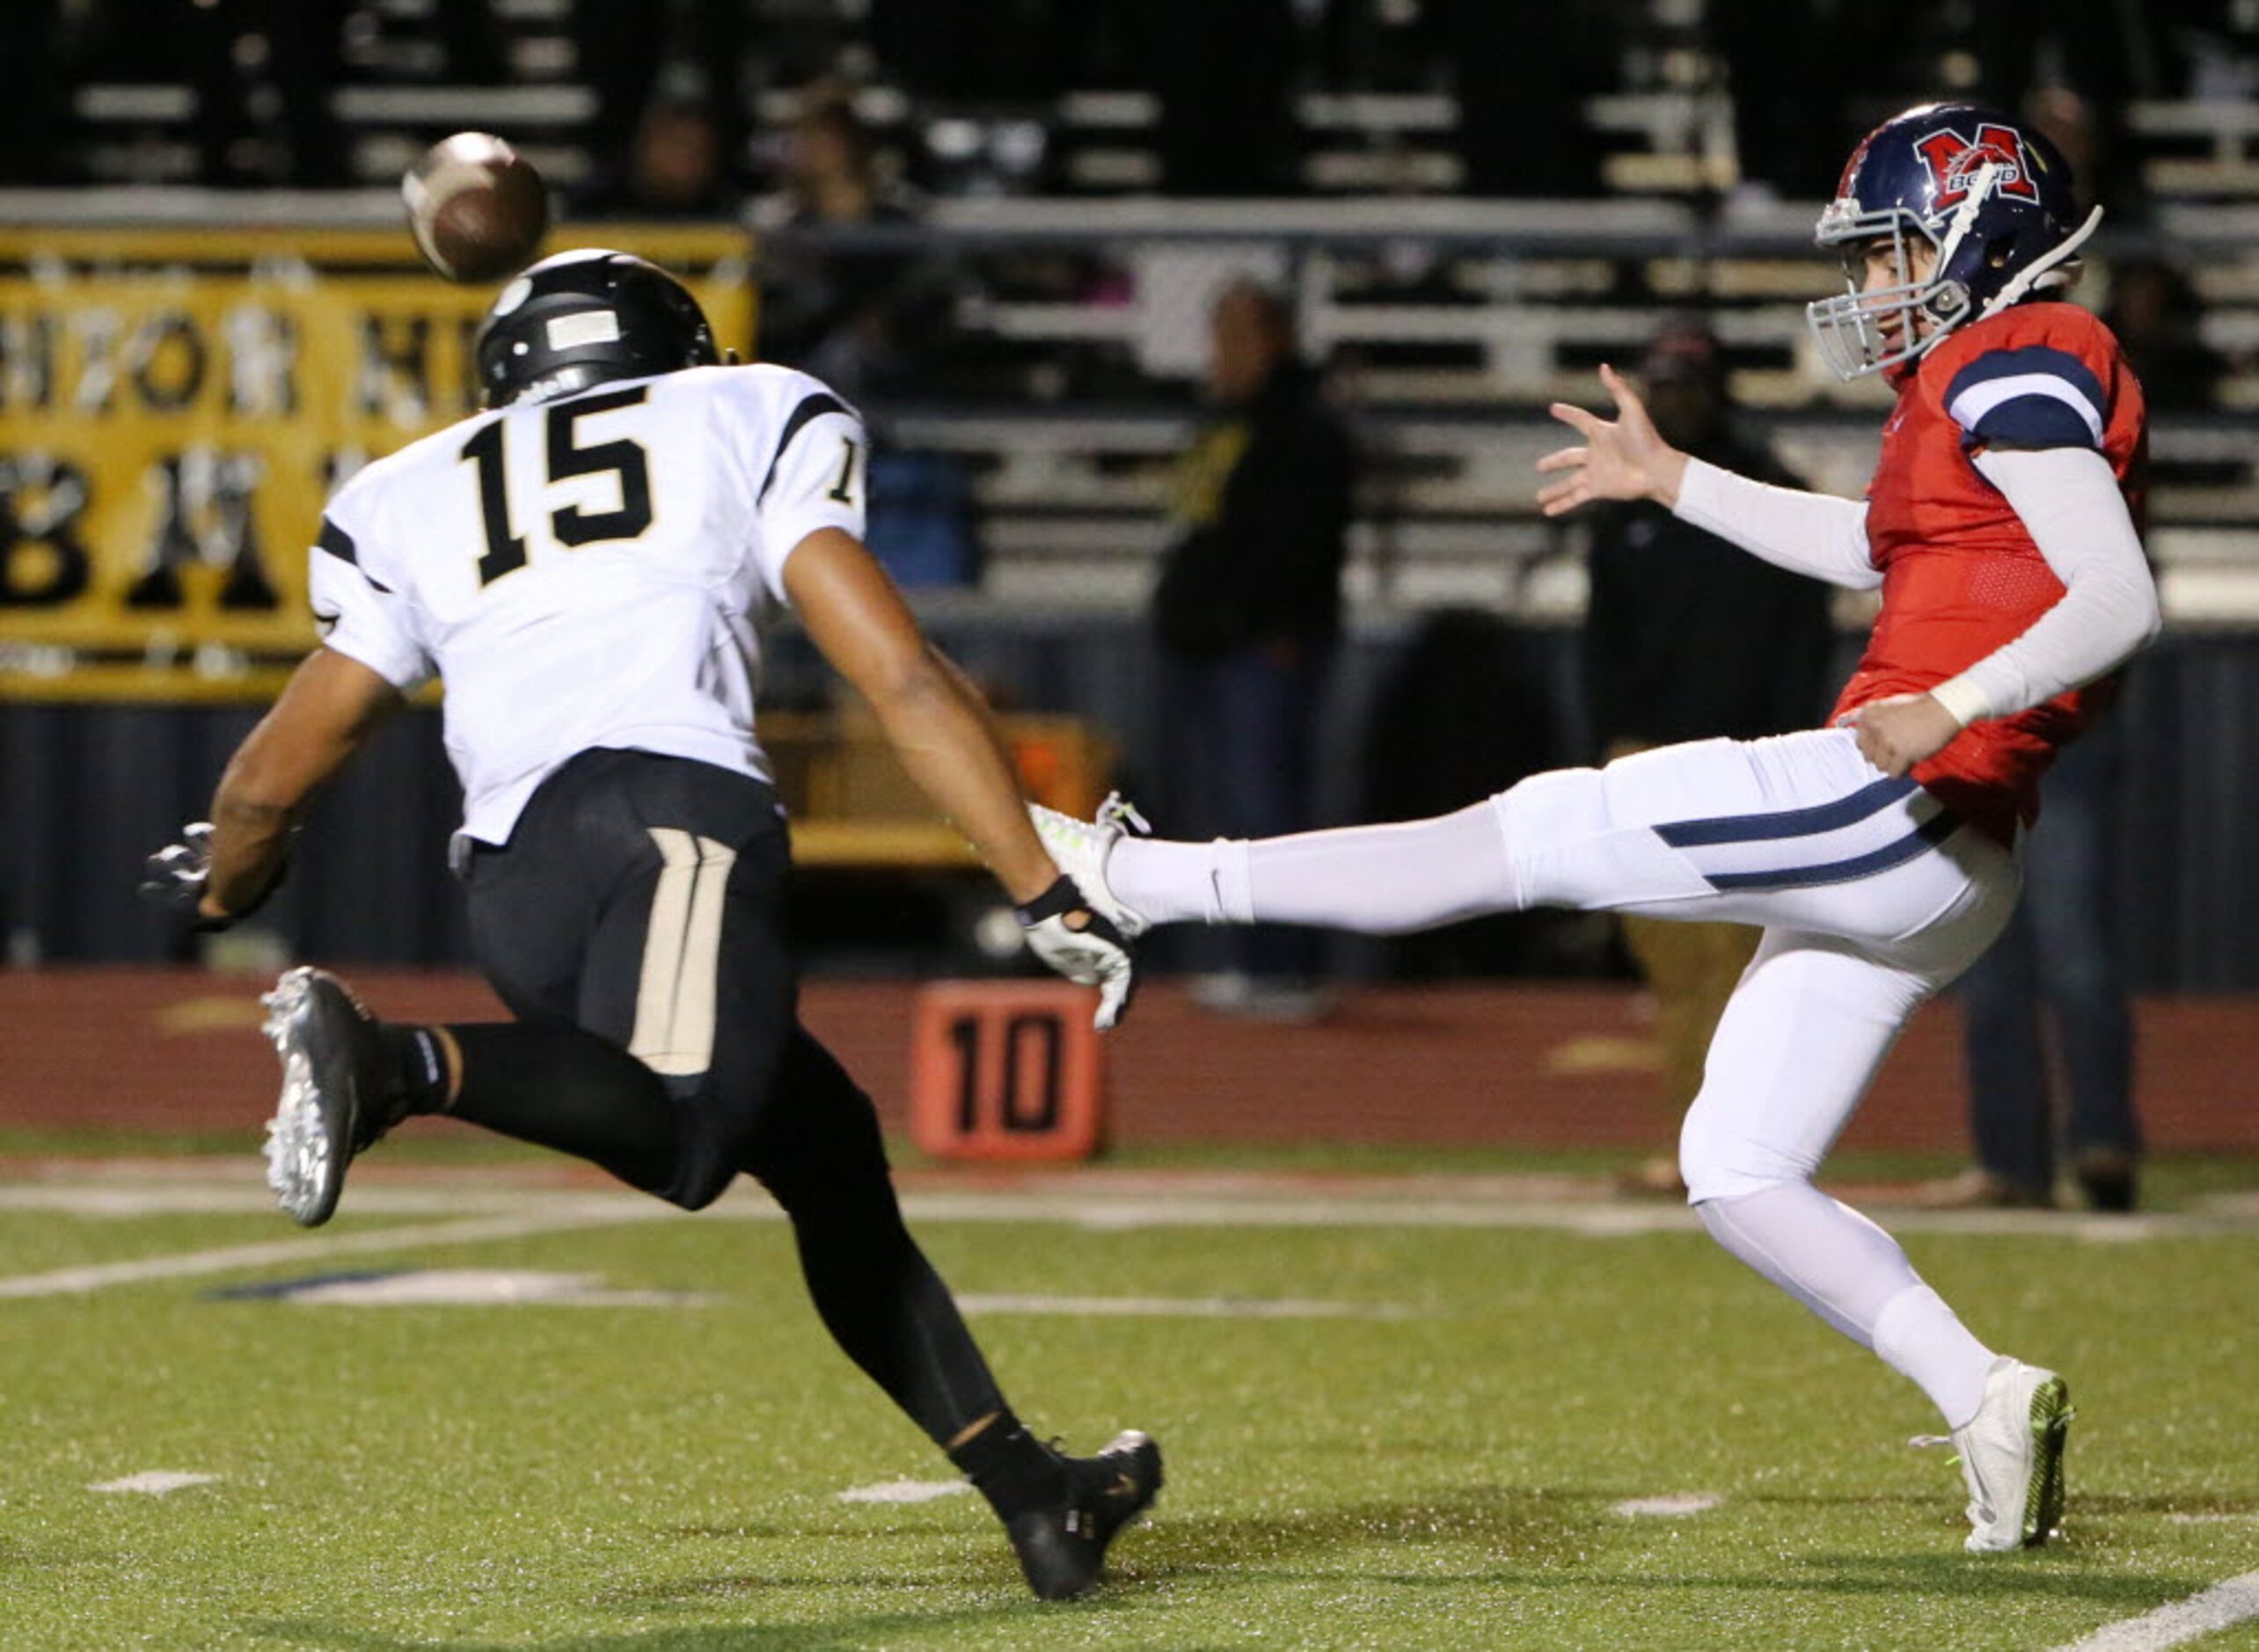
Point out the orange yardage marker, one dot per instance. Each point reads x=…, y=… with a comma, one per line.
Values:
x=1005, y=1070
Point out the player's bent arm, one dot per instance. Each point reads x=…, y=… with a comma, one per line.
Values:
x=2070, y=501
x=1814, y=534
x=936, y=721
x=332, y=703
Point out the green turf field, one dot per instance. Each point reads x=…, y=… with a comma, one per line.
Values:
x=1428, y=1450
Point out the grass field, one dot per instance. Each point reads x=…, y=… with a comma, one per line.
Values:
x=1402, y=1414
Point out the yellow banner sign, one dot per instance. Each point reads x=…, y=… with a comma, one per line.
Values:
x=175, y=407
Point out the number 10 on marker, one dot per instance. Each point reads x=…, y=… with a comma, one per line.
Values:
x=1005, y=1070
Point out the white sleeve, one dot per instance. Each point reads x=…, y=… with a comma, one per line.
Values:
x=358, y=615
x=815, y=480
x=2070, y=502
x=1816, y=534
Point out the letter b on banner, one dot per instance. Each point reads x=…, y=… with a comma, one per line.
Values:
x=1005, y=1070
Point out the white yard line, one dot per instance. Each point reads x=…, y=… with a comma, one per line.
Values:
x=471, y=1213
x=2222, y=1606
x=155, y=1482
x=1673, y=1508
x=906, y=1491
x=190, y=1264
x=1185, y=1307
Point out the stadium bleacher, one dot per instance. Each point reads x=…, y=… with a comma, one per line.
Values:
x=1451, y=322
x=1061, y=378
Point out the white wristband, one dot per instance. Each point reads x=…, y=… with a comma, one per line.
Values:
x=1964, y=698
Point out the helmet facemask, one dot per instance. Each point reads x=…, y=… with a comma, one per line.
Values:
x=1848, y=330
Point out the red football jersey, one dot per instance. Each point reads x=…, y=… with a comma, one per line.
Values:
x=1960, y=575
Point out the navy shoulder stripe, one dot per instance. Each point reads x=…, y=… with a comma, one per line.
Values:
x=811, y=408
x=2035, y=396
x=2031, y=423
x=2029, y=360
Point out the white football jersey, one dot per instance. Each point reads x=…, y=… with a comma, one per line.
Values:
x=590, y=571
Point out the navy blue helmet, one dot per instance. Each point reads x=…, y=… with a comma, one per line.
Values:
x=580, y=318
x=1991, y=198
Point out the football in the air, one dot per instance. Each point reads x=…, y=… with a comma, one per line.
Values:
x=476, y=207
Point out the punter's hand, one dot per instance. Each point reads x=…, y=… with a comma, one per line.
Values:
x=1083, y=946
x=1627, y=459
x=1897, y=733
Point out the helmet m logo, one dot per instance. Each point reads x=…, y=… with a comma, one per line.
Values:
x=1953, y=160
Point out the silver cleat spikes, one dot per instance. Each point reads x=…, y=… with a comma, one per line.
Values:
x=299, y=1148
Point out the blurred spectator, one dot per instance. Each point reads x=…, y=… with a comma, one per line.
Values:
x=974, y=51
x=2091, y=136
x=857, y=315
x=869, y=319
x=2071, y=67
x=1522, y=74
x=675, y=167
x=1688, y=637
x=1223, y=70
x=666, y=57
x=472, y=43
x=1248, y=607
x=1469, y=707
x=2158, y=317
x=1790, y=70
x=2057, y=965
x=33, y=96
x=263, y=71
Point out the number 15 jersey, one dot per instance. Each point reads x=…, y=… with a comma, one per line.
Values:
x=591, y=571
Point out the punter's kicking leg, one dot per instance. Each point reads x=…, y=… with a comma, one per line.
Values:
x=1874, y=898
x=633, y=923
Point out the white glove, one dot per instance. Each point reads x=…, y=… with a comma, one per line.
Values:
x=174, y=878
x=1097, y=954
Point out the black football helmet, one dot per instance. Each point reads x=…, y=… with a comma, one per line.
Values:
x=581, y=318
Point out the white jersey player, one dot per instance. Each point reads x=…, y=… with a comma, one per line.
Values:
x=586, y=568
x=641, y=528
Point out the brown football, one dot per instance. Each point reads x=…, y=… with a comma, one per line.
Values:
x=476, y=207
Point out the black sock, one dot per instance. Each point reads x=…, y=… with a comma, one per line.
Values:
x=1012, y=1468
x=415, y=1075
x=558, y=1086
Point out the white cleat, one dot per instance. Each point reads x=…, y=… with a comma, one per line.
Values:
x=2011, y=1455
x=1080, y=848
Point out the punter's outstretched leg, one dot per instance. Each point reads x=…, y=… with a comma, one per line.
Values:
x=1874, y=896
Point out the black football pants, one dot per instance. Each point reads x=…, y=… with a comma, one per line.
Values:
x=634, y=924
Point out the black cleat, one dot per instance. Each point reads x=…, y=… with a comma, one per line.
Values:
x=331, y=1106
x=2106, y=1179
x=1063, y=1548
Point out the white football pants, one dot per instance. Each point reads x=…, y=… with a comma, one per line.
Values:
x=1872, y=898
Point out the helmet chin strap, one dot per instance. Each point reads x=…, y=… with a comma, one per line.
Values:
x=2030, y=275
x=1979, y=186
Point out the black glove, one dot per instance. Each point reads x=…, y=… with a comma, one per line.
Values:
x=174, y=880
x=1097, y=954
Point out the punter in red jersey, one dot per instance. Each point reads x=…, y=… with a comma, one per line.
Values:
x=1961, y=575
x=1878, y=853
